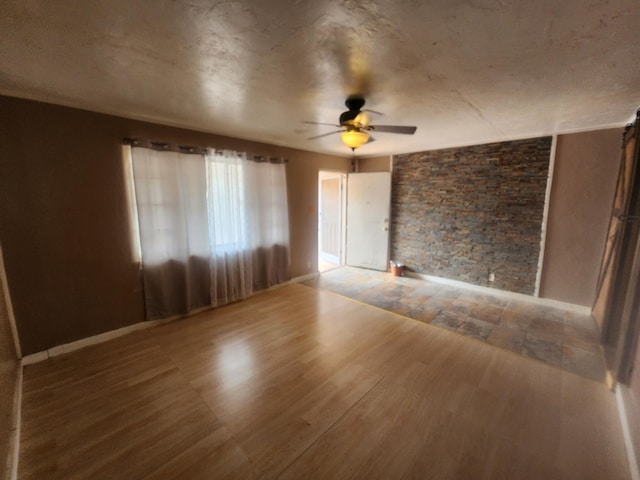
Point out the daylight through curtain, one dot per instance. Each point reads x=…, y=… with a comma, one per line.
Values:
x=213, y=226
x=171, y=199
x=269, y=222
x=231, y=269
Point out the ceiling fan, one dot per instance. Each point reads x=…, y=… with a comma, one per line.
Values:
x=354, y=125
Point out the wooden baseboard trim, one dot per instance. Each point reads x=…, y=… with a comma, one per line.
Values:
x=494, y=291
x=626, y=433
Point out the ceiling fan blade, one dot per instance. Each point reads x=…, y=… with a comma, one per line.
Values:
x=371, y=139
x=318, y=123
x=325, y=134
x=393, y=129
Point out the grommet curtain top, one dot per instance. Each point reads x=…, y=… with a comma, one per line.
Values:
x=193, y=149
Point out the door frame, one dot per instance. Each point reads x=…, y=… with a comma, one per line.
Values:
x=324, y=174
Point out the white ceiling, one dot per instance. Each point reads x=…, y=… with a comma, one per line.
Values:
x=464, y=72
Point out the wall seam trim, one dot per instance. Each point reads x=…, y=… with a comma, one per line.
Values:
x=14, y=440
x=626, y=434
x=7, y=299
x=545, y=213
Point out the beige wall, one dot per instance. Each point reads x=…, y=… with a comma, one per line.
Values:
x=64, y=223
x=374, y=164
x=584, y=179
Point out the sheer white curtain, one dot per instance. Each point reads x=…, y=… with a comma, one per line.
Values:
x=269, y=223
x=231, y=268
x=248, y=224
x=214, y=227
x=172, y=214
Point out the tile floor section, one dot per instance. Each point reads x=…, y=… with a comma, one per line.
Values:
x=562, y=338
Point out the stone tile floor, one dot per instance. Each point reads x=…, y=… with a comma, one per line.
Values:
x=564, y=338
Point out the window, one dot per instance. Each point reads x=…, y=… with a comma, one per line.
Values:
x=213, y=226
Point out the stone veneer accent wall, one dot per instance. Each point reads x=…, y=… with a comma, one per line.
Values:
x=462, y=213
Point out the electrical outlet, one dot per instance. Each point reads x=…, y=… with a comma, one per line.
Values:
x=492, y=277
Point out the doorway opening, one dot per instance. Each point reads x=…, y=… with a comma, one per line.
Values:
x=331, y=219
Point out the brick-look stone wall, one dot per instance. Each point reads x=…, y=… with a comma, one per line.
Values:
x=462, y=213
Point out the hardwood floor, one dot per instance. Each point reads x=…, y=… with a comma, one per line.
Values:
x=302, y=383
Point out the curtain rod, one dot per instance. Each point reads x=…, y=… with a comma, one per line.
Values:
x=191, y=149
x=164, y=146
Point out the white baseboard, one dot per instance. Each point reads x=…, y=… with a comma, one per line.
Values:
x=94, y=340
x=494, y=291
x=110, y=335
x=103, y=337
x=34, y=358
x=303, y=278
x=626, y=433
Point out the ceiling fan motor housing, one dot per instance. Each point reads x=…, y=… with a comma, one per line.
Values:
x=346, y=118
x=354, y=103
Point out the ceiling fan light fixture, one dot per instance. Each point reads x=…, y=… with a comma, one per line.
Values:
x=354, y=138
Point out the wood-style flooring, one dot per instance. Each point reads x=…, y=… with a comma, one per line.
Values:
x=300, y=383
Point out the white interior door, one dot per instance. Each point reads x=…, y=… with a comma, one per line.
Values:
x=368, y=207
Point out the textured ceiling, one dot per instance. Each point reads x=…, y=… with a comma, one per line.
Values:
x=463, y=72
